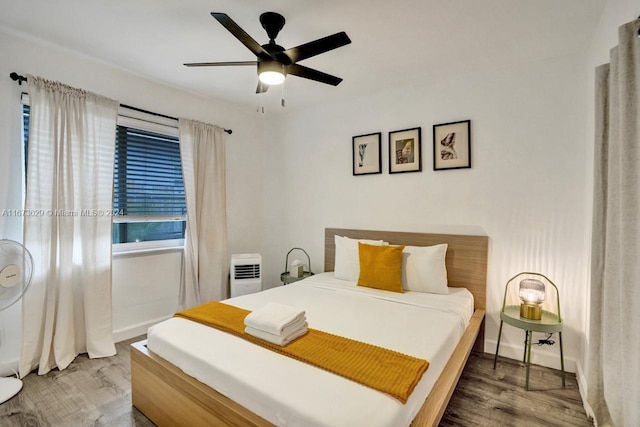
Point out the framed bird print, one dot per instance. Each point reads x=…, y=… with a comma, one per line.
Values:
x=452, y=145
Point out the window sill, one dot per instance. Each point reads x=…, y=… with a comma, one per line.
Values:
x=147, y=248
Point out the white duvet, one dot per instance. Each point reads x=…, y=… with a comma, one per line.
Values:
x=291, y=393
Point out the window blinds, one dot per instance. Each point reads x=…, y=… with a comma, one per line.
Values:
x=148, y=174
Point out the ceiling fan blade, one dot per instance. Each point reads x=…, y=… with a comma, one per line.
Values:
x=262, y=88
x=241, y=35
x=219, y=64
x=311, y=74
x=316, y=47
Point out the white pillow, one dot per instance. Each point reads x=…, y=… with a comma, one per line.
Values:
x=424, y=270
x=347, y=261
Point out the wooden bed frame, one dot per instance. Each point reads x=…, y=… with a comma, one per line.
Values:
x=169, y=397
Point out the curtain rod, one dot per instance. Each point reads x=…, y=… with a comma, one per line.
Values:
x=18, y=78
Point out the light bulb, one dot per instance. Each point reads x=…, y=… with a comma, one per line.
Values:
x=271, y=78
x=271, y=72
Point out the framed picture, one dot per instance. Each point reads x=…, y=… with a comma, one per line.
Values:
x=366, y=154
x=452, y=145
x=405, y=151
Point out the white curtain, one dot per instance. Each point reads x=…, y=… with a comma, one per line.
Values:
x=613, y=376
x=206, y=264
x=71, y=146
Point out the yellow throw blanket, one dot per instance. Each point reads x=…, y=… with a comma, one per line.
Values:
x=381, y=369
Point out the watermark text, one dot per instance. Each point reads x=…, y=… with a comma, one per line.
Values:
x=62, y=212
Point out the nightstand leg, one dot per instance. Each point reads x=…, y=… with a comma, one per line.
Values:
x=526, y=340
x=528, y=351
x=495, y=359
x=561, y=358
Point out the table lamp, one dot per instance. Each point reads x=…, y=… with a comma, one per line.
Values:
x=532, y=293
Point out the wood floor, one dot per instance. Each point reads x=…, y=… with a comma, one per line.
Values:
x=488, y=397
x=98, y=393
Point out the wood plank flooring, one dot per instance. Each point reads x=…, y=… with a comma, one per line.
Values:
x=98, y=393
x=488, y=397
x=90, y=392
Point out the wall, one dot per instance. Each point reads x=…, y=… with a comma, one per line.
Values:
x=145, y=288
x=525, y=189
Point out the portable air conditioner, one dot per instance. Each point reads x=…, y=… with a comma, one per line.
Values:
x=246, y=274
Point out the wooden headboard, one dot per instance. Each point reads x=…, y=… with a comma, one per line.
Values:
x=466, y=259
x=466, y=255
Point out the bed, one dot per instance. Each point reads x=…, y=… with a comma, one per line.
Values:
x=169, y=396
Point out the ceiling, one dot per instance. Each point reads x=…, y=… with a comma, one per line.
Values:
x=404, y=42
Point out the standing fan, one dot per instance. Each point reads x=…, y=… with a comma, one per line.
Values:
x=16, y=271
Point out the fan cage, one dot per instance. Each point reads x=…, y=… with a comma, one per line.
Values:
x=14, y=253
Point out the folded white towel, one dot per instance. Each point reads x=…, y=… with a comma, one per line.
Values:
x=301, y=321
x=280, y=340
x=275, y=318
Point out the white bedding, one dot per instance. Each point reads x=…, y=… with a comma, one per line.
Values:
x=291, y=393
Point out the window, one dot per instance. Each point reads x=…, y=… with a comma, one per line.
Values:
x=148, y=190
x=25, y=133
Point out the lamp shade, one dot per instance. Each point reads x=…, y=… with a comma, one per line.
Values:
x=271, y=72
x=532, y=294
x=532, y=291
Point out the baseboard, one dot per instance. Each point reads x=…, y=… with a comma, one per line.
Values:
x=133, y=331
x=7, y=367
x=581, y=378
x=543, y=358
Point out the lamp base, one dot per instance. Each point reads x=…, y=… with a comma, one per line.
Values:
x=531, y=311
x=9, y=387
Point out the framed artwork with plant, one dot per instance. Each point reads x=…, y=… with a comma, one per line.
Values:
x=366, y=154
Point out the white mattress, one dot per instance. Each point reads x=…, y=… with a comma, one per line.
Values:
x=287, y=392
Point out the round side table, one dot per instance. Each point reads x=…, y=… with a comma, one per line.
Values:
x=549, y=323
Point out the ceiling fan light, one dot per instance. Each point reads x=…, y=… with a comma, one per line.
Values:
x=271, y=78
x=271, y=72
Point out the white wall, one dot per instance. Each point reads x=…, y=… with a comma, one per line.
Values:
x=525, y=189
x=145, y=291
x=145, y=288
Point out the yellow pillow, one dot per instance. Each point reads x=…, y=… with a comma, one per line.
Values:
x=381, y=267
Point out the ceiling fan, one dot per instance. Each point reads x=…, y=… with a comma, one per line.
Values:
x=274, y=62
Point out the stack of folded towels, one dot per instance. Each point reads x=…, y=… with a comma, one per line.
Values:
x=277, y=323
